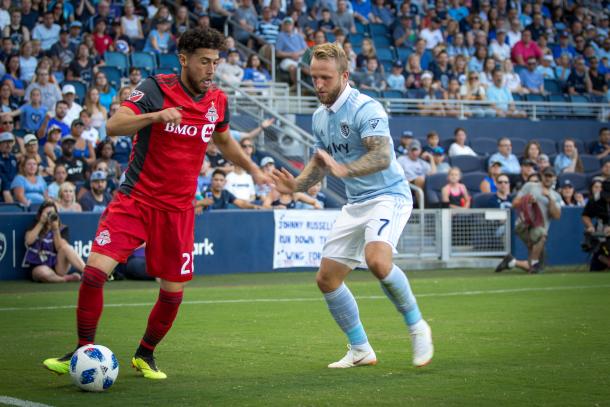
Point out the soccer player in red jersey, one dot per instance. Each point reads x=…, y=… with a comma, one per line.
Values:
x=173, y=118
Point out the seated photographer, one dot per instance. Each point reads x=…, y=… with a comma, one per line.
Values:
x=596, y=219
x=48, y=253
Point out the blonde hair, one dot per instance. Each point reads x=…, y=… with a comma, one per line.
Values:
x=65, y=185
x=330, y=51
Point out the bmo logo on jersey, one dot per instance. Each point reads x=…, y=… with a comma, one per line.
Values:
x=185, y=130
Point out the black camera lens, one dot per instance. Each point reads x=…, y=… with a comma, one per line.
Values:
x=53, y=216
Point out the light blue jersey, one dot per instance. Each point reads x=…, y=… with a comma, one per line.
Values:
x=339, y=129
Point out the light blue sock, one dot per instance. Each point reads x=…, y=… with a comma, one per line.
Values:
x=397, y=288
x=342, y=305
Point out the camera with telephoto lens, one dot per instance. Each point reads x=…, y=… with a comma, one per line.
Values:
x=53, y=216
x=593, y=242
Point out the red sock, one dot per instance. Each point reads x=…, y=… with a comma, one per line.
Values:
x=90, y=303
x=161, y=318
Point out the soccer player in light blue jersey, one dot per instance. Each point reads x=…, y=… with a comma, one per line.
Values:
x=353, y=143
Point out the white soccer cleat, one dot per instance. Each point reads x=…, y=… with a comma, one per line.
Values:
x=423, y=350
x=355, y=358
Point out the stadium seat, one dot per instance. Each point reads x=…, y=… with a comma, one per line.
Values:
x=518, y=145
x=466, y=163
x=11, y=207
x=547, y=146
x=144, y=60
x=376, y=29
x=533, y=97
x=552, y=86
x=385, y=53
x=517, y=97
x=559, y=111
x=381, y=41
x=472, y=181
x=164, y=71
x=393, y=94
x=578, y=109
x=113, y=74
x=403, y=54
x=485, y=146
x=415, y=93
x=445, y=143
x=387, y=65
x=590, y=163
x=169, y=61
x=33, y=207
x=480, y=200
x=432, y=188
x=370, y=92
x=81, y=89
x=118, y=60
x=361, y=28
x=579, y=181
x=356, y=39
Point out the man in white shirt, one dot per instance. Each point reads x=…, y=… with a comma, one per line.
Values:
x=47, y=32
x=432, y=35
x=74, y=109
x=414, y=167
x=241, y=184
x=499, y=49
x=231, y=71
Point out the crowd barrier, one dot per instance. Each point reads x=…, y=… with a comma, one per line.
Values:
x=238, y=241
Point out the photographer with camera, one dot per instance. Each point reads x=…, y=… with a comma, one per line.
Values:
x=596, y=219
x=48, y=253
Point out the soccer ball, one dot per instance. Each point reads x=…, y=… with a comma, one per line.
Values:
x=94, y=368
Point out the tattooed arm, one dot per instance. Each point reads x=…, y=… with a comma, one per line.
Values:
x=286, y=183
x=377, y=158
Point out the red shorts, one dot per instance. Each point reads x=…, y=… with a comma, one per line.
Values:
x=127, y=223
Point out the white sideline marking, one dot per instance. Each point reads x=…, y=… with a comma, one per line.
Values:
x=11, y=401
x=370, y=297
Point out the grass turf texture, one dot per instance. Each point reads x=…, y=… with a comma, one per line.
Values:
x=520, y=340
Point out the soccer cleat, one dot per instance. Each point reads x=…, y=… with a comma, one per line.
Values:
x=421, y=339
x=148, y=367
x=355, y=358
x=536, y=268
x=59, y=365
x=504, y=263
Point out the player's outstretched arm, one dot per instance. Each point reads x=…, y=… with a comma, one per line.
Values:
x=126, y=122
x=378, y=158
x=232, y=151
x=286, y=183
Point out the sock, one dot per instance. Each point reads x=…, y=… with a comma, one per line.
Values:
x=512, y=263
x=342, y=306
x=161, y=319
x=397, y=288
x=534, y=262
x=90, y=304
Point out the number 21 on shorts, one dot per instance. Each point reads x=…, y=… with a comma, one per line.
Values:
x=187, y=263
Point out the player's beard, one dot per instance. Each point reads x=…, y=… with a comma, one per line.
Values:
x=198, y=86
x=331, y=96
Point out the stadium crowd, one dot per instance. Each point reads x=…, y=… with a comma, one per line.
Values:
x=62, y=76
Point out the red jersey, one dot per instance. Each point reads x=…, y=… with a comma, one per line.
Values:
x=166, y=158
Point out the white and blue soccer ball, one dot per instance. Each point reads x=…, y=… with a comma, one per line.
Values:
x=94, y=368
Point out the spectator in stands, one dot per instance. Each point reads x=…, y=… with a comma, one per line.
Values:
x=31, y=114
x=74, y=34
x=59, y=177
x=217, y=197
x=528, y=167
x=545, y=68
x=405, y=141
x=103, y=13
x=89, y=132
x=82, y=66
x=489, y=183
x=452, y=96
x=599, y=83
x=432, y=34
x=367, y=51
x=499, y=48
x=63, y=50
x=94, y=108
x=290, y=46
x=76, y=167
x=182, y=22
x=579, y=81
x=351, y=57
x=454, y=193
x=105, y=151
x=8, y=165
x=27, y=61
x=525, y=49
x=344, y=18
x=51, y=148
x=268, y=28
x=510, y=79
x=241, y=184
x=403, y=35
x=135, y=77
x=569, y=159
x=416, y=169
x=96, y=199
x=123, y=94
x=501, y=199
x=7, y=102
x=160, y=39
x=486, y=75
x=543, y=161
x=28, y=187
x=441, y=69
x=49, y=89
x=66, y=201
x=564, y=47
x=314, y=193
x=61, y=108
x=532, y=151
x=460, y=69
x=459, y=147
x=431, y=93
x=414, y=72
x=510, y=163
x=231, y=70
x=217, y=161
x=362, y=11
x=47, y=31
x=568, y=196
x=534, y=235
x=325, y=23
x=48, y=254
x=475, y=65
x=30, y=150
x=29, y=16
x=247, y=18
x=501, y=98
x=106, y=90
x=69, y=95
x=396, y=80
x=12, y=78
x=563, y=70
x=130, y=22
x=83, y=148
x=601, y=148
x=531, y=78
x=372, y=78
x=473, y=90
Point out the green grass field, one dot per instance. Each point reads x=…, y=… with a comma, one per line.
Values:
x=265, y=339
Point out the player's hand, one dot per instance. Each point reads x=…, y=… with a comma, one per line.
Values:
x=336, y=169
x=267, y=122
x=169, y=115
x=260, y=178
x=284, y=181
x=198, y=210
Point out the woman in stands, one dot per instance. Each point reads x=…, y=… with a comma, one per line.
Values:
x=455, y=193
x=13, y=77
x=489, y=182
x=510, y=79
x=486, y=76
x=460, y=69
x=98, y=113
x=60, y=174
x=532, y=151
x=132, y=27
x=159, y=39
x=351, y=56
x=182, y=21
x=255, y=72
x=563, y=69
x=48, y=253
x=430, y=105
x=368, y=51
x=28, y=187
x=413, y=72
x=27, y=62
x=568, y=196
x=82, y=66
x=123, y=94
x=104, y=152
x=459, y=146
x=8, y=102
x=106, y=90
x=66, y=198
x=568, y=160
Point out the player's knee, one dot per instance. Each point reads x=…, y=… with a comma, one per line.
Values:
x=326, y=283
x=379, y=265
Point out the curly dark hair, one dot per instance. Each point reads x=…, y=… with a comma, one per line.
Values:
x=196, y=38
